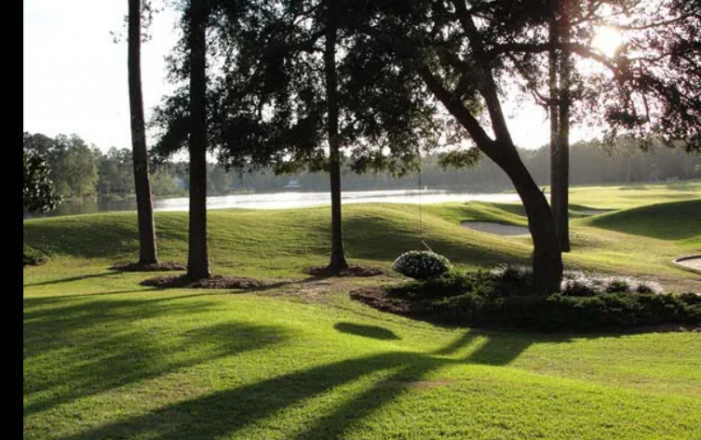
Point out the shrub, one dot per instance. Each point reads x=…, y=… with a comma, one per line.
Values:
x=566, y=313
x=587, y=303
x=421, y=265
x=581, y=284
x=512, y=280
x=450, y=284
x=32, y=257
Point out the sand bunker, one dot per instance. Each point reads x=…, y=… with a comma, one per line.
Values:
x=693, y=262
x=496, y=228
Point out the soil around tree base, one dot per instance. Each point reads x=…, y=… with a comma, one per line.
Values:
x=376, y=297
x=356, y=270
x=158, y=267
x=214, y=282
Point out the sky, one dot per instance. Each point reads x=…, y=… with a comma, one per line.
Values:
x=75, y=75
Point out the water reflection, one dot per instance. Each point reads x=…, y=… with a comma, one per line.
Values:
x=287, y=200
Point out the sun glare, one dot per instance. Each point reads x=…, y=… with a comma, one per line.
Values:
x=607, y=40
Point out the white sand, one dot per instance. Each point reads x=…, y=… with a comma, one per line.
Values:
x=692, y=262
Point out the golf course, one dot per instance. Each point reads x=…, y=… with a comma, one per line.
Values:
x=107, y=358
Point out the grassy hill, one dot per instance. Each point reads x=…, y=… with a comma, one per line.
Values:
x=105, y=358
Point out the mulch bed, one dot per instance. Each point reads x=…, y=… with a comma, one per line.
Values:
x=137, y=267
x=214, y=282
x=357, y=270
x=378, y=298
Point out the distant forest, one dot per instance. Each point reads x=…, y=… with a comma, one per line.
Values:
x=80, y=170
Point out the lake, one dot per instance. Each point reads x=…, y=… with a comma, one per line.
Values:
x=287, y=200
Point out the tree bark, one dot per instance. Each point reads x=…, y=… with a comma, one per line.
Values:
x=148, y=253
x=198, y=259
x=547, y=257
x=338, y=259
x=560, y=73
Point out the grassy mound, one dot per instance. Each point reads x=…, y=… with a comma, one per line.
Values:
x=666, y=221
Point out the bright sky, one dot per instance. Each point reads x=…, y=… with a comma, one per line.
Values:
x=75, y=76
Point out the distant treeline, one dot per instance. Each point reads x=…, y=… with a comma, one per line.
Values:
x=80, y=170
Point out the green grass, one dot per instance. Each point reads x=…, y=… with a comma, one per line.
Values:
x=631, y=196
x=104, y=358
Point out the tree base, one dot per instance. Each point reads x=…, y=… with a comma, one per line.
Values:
x=217, y=282
x=362, y=271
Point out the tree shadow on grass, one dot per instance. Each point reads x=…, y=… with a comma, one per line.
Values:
x=366, y=331
x=227, y=412
x=99, y=352
x=73, y=279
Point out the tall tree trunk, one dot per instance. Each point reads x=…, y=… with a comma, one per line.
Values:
x=338, y=258
x=560, y=73
x=547, y=257
x=198, y=259
x=144, y=204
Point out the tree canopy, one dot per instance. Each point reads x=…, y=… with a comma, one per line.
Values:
x=38, y=192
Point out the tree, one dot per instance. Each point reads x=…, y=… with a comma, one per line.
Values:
x=148, y=253
x=38, y=193
x=559, y=112
x=198, y=258
x=338, y=256
x=74, y=166
x=647, y=87
x=291, y=99
x=471, y=54
x=449, y=46
x=116, y=173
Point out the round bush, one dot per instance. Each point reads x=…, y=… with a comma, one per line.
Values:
x=421, y=265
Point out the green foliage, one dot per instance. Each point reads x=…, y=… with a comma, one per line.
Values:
x=73, y=163
x=421, y=265
x=115, y=173
x=32, y=257
x=503, y=298
x=38, y=192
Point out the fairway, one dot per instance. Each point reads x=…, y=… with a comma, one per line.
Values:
x=105, y=358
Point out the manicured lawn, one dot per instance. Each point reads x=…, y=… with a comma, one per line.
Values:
x=104, y=358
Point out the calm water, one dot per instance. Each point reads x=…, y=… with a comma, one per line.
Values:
x=286, y=200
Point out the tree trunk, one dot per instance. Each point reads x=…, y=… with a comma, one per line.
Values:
x=560, y=124
x=144, y=204
x=198, y=259
x=547, y=257
x=338, y=258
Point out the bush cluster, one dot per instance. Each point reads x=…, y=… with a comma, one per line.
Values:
x=503, y=298
x=421, y=265
x=31, y=256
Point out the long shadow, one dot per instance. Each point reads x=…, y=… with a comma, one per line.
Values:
x=366, y=331
x=227, y=412
x=108, y=357
x=72, y=279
